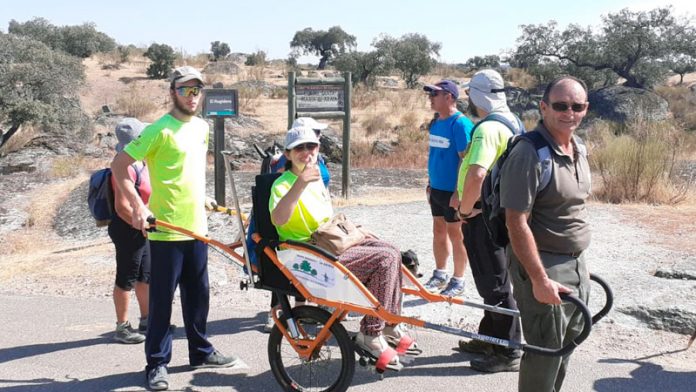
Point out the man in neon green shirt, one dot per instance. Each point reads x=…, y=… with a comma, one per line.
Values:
x=175, y=148
x=487, y=101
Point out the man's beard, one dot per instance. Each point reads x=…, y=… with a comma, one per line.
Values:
x=183, y=108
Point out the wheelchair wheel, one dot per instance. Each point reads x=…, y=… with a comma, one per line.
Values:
x=331, y=368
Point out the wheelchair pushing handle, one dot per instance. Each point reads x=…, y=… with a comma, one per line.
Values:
x=587, y=327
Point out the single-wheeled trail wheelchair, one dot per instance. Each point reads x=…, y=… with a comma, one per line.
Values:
x=309, y=349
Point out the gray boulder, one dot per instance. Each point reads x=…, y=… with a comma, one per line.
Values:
x=624, y=104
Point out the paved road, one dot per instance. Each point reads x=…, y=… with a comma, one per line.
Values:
x=63, y=344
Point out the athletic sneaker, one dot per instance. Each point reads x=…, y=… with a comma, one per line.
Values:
x=454, y=288
x=217, y=360
x=125, y=334
x=157, y=378
x=436, y=282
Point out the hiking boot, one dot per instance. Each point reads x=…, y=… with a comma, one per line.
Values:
x=125, y=334
x=436, y=282
x=496, y=363
x=476, y=347
x=157, y=378
x=454, y=288
x=217, y=360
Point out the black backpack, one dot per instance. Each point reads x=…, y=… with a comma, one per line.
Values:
x=493, y=214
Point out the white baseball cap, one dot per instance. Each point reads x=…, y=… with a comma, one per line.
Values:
x=299, y=135
x=309, y=122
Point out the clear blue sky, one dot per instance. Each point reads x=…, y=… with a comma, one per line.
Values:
x=464, y=28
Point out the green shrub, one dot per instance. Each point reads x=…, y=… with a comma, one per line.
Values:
x=162, y=56
x=258, y=58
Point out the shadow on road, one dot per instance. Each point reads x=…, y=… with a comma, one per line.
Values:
x=647, y=377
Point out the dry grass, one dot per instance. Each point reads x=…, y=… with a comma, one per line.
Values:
x=38, y=234
x=248, y=99
x=638, y=165
x=199, y=60
x=65, y=166
x=681, y=104
x=132, y=103
x=256, y=72
x=381, y=196
x=520, y=78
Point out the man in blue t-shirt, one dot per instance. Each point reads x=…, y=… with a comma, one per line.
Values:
x=450, y=133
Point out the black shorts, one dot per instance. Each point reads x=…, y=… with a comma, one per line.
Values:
x=439, y=205
x=132, y=254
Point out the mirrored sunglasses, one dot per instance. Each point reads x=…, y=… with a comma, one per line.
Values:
x=563, y=106
x=305, y=146
x=188, y=91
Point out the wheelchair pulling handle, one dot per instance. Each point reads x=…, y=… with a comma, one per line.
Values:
x=588, y=320
x=587, y=327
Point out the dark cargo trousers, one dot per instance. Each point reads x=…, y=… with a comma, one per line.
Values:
x=182, y=263
x=551, y=326
x=489, y=266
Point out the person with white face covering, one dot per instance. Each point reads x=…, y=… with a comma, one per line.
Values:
x=489, y=140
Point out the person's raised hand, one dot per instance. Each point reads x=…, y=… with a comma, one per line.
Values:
x=310, y=173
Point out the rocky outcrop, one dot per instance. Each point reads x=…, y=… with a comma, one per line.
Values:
x=625, y=104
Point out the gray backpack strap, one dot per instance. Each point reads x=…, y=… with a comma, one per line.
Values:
x=545, y=155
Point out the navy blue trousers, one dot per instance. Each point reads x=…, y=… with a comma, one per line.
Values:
x=183, y=263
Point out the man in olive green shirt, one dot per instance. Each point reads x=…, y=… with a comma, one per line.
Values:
x=488, y=102
x=175, y=148
x=548, y=233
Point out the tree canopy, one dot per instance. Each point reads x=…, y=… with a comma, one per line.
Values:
x=219, y=50
x=40, y=86
x=635, y=46
x=412, y=54
x=162, y=56
x=81, y=41
x=364, y=66
x=325, y=44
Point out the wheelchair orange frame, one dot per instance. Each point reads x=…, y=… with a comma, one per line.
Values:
x=302, y=265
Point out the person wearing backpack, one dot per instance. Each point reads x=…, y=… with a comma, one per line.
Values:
x=549, y=232
x=488, y=102
x=449, y=136
x=132, y=247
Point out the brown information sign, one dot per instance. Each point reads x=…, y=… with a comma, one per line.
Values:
x=319, y=98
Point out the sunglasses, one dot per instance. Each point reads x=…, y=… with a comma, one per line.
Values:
x=305, y=146
x=434, y=93
x=188, y=91
x=562, y=107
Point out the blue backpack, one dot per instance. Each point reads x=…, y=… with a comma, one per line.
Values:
x=100, y=197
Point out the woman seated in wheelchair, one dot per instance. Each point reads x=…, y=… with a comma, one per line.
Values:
x=300, y=203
